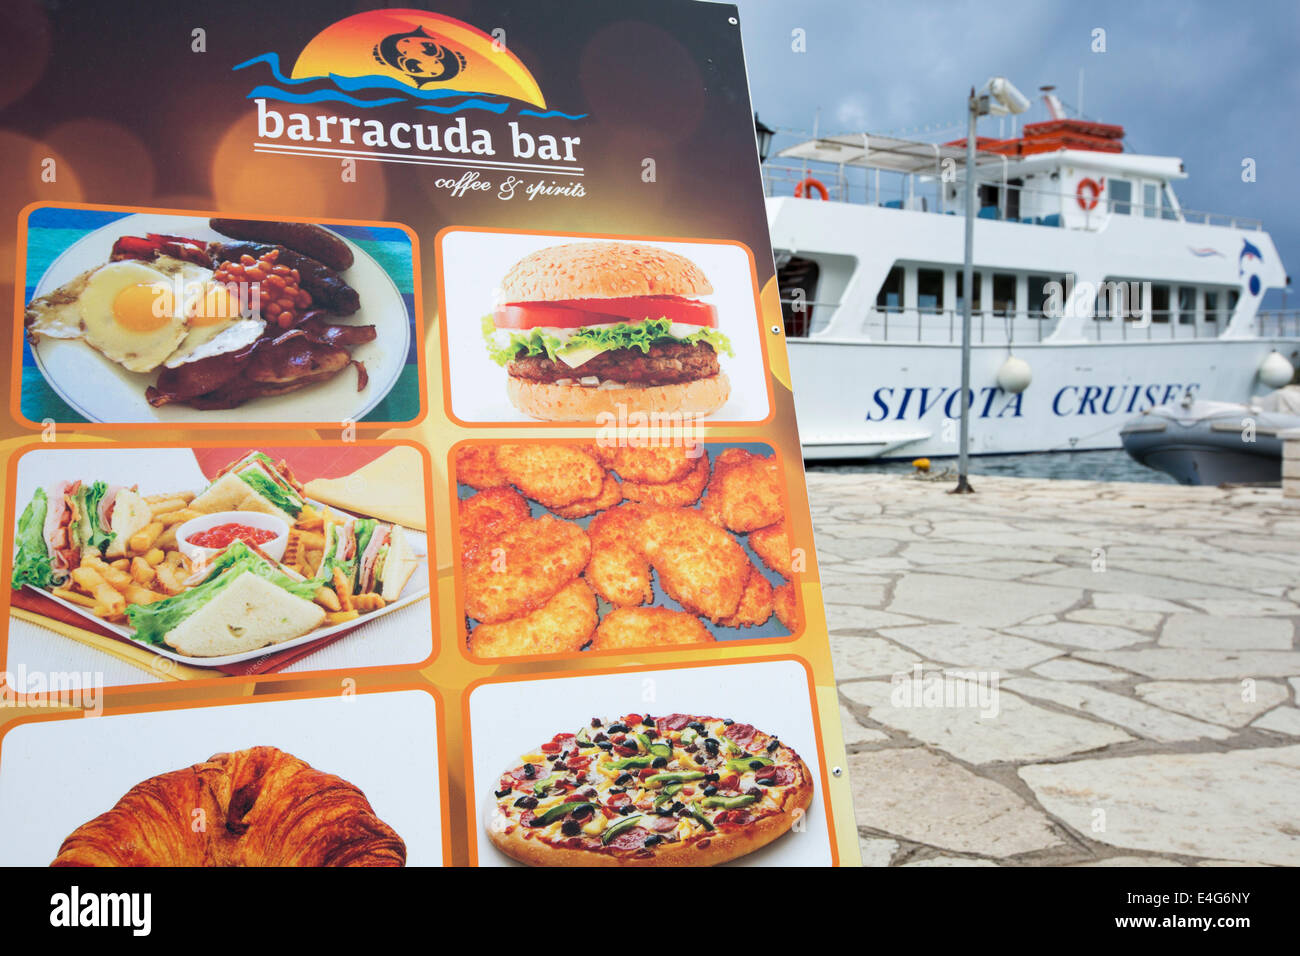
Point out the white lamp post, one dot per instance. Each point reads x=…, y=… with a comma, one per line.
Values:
x=998, y=97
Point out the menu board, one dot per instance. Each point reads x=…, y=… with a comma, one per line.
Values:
x=401, y=465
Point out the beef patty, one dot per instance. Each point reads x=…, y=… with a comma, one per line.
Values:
x=667, y=363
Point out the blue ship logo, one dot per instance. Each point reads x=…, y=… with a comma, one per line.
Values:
x=1248, y=252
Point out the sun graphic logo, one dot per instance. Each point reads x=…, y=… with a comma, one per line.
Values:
x=1249, y=254
x=419, y=56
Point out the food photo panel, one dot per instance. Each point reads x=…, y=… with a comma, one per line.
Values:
x=686, y=766
x=557, y=328
x=318, y=781
x=569, y=547
x=136, y=316
x=151, y=564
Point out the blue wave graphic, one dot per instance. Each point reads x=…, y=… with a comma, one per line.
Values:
x=551, y=113
x=497, y=108
x=487, y=102
x=316, y=96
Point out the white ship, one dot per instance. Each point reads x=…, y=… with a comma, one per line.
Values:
x=1091, y=281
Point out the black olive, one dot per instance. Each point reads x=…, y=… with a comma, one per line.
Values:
x=623, y=778
x=652, y=839
x=710, y=790
x=526, y=802
x=618, y=789
x=664, y=811
x=712, y=776
x=727, y=721
x=505, y=792
x=605, y=745
x=678, y=807
x=582, y=811
x=711, y=745
x=570, y=828
x=756, y=765
x=773, y=745
x=659, y=762
x=696, y=726
x=626, y=808
x=766, y=781
x=618, y=728
x=529, y=771
x=648, y=720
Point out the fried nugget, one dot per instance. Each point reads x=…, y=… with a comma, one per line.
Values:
x=745, y=491
x=628, y=627
x=654, y=464
x=786, y=606
x=611, y=493
x=488, y=514
x=772, y=545
x=561, y=625
x=681, y=493
x=700, y=565
x=554, y=475
x=476, y=466
x=755, y=602
x=523, y=568
x=618, y=570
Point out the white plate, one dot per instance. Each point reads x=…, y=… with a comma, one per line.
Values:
x=103, y=391
x=417, y=589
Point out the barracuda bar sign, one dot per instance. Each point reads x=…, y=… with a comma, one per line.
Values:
x=914, y=403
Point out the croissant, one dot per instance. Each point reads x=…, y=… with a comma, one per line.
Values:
x=256, y=807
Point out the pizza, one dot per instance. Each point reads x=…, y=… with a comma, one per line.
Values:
x=680, y=790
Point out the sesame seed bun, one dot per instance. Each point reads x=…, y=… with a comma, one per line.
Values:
x=578, y=403
x=602, y=270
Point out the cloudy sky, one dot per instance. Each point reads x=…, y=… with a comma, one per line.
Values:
x=1211, y=83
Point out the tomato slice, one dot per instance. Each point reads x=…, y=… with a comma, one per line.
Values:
x=576, y=313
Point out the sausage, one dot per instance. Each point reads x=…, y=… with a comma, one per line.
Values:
x=301, y=237
x=327, y=289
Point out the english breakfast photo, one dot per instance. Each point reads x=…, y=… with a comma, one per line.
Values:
x=554, y=328
x=149, y=564
x=142, y=317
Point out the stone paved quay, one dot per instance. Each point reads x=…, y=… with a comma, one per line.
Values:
x=1143, y=639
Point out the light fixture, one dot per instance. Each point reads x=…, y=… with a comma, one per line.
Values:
x=764, y=136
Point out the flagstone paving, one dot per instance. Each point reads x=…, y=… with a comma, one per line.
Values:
x=1065, y=673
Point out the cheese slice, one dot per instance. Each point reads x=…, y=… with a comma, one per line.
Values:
x=389, y=488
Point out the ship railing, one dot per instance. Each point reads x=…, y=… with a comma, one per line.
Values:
x=1278, y=323
x=1008, y=326
x=782, y=180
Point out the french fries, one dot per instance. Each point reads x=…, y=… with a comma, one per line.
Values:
x=142, y=571
x=328, y=599
x=343, y=588
x=365, y=603
x=144, y=539
x=89, y=579
x=342, y=617
x=170, y=581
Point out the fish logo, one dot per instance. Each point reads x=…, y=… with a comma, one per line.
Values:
x=1249, y=252
x=419, y=56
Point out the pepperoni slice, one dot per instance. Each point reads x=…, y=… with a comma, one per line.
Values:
x=519, y=773
x=633, y=839
x=743, y=734
x=662, y=824
x=779, y=775
x=673, y=722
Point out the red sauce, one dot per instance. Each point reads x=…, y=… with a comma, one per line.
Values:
x=223, y=534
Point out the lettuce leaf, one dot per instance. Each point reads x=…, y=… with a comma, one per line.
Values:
x=623, y=335
x=32, y=556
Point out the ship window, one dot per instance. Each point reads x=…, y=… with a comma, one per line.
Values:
x=1004, y=293
x=1121, y=196
x=929, y=290
x=960, y=305
x=797, y=282
x=1150, y=201
x=1233, y=296
x=1166, y=203
x=890, y=296
x=1039, y=291
x=1211, y=306
x=1159, y=303
x=1186, y=305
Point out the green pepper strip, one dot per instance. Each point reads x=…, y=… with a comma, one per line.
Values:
x=557, y=811
x=742, y=764
x=729, y=803
x=625, y=824
x=675, y=777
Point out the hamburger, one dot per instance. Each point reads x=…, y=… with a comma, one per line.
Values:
x=594, y=327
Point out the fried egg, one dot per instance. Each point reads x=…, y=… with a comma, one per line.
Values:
x=141, y=316
x=130, y=313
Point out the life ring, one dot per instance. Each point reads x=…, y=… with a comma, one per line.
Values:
x=1095, y=188
x=810, y=184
